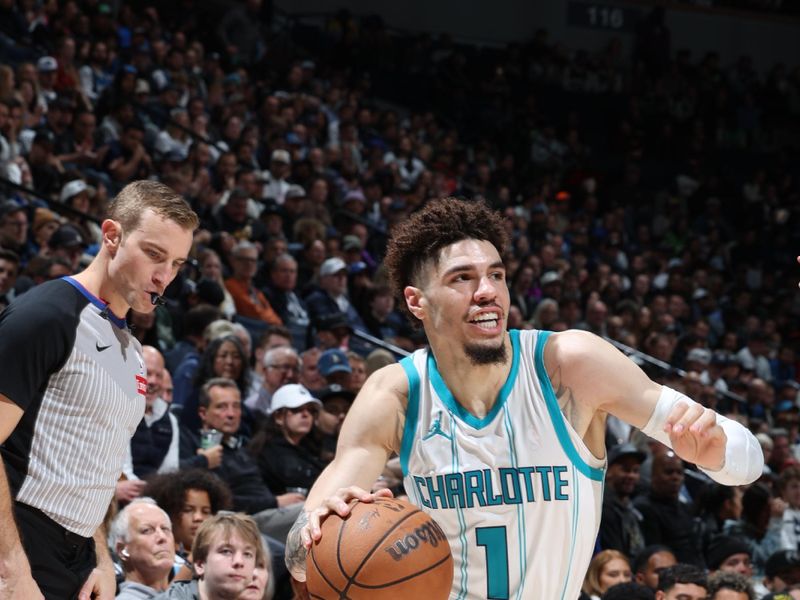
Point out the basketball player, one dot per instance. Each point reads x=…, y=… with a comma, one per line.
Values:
x=501, y=433
x=72, y=392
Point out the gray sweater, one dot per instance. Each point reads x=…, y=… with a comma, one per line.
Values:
x=180, y=590
x=131, y=590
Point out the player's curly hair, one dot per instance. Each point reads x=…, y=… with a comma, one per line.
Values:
x=416, y=242
x=169, y=490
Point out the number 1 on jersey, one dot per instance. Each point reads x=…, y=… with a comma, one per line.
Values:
x=493, y=540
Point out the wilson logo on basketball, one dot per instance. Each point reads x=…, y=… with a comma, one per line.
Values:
x=429, y=533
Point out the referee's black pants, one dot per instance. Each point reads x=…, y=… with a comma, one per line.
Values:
x=60, y=560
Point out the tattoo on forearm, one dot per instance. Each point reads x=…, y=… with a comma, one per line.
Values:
x=295, y=551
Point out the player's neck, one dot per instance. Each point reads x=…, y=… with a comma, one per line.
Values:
x=475, y=387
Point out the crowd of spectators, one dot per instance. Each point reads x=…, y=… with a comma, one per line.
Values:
x=650, y=199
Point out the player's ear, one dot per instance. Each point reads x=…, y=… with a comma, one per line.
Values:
x=415, y=301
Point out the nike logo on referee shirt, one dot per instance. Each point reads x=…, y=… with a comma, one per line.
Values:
x=101, y=348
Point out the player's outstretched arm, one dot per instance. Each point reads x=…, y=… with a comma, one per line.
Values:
x=371, y=431
x=600, y=377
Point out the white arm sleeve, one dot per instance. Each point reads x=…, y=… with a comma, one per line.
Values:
x=744, y=459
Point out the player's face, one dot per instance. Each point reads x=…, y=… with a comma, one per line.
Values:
x=228, y=568
x=614, y=571
x=195, y=510
x=147, y=259
x=465, y=298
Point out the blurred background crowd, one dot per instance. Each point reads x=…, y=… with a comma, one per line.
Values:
x=651, y=198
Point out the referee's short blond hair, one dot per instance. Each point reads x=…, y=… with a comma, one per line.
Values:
x=136, y=197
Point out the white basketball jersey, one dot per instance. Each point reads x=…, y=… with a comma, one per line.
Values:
x=517, y=493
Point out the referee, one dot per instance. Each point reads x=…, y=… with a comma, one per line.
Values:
x=72, y=391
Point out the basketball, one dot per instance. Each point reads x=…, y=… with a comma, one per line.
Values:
x=387, y=549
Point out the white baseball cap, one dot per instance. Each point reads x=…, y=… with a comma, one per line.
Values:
x=292, y=395
x=332, y=266
x=75, y=187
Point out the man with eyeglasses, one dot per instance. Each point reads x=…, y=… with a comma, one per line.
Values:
x=220, y=408
x=281, y=367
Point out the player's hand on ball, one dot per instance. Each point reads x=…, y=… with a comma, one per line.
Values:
x=339, y=503
x=695, y=435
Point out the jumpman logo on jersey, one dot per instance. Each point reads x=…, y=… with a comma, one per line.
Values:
x=436, y=429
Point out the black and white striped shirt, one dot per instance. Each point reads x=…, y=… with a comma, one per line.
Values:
x=78, y=374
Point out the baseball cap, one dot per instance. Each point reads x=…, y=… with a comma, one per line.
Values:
x=332, y=266
x=335, y=391
x=550, y=277
x=785, y=406
x=281, y=156
x=66, y=236
x=73, y=188
x=271, y=208
x=701, y=355
x=351, y=242
x=722, y=357
x=44, y=136
x=354, y=196
x=723, y=547
x=357, y=267
x=295, y=191
x=780, y=562
x=292, y=395
x=9, y=208
x=46, y=64
x=333, y=361
x=142, y=87
x=622, y=450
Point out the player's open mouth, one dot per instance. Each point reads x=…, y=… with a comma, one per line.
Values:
x=486, y=320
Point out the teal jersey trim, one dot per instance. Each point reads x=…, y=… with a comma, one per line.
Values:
x=462, y=522
x=575, y=507
x=455, y=407
x=522, y=534
x=557, y=417
x=412, y=412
